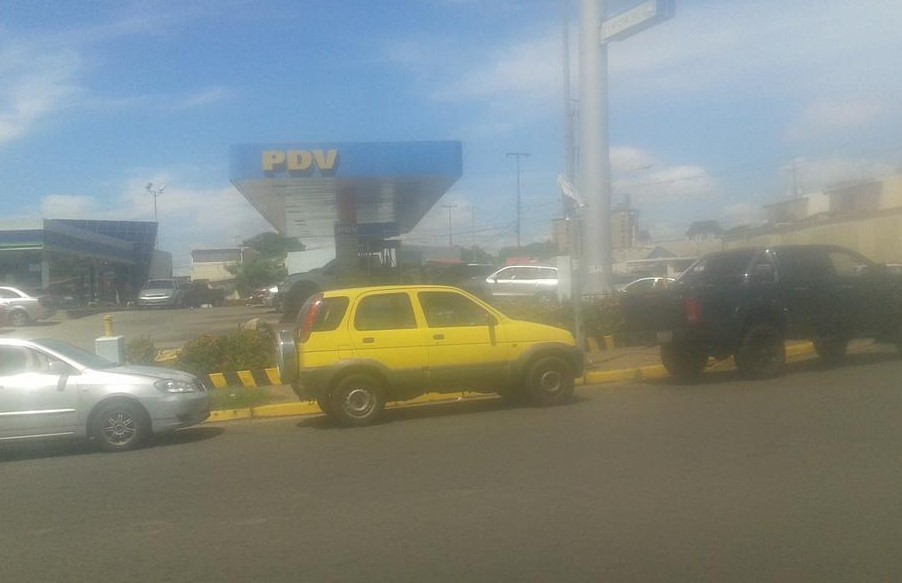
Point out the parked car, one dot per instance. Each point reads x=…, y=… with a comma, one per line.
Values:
x=198, y=293
x=54, y=389
x=160, y=293
x=357, y=348
x=524, y=281
x=647, y=284
x=22, y=309
x=746, y=302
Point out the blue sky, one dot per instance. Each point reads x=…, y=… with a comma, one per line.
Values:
x=708, y=110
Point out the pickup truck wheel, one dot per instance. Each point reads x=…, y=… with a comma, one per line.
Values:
x=830, y=349
x=357, y=400
x=762, y=353
x=684, y=361
x=550, y=382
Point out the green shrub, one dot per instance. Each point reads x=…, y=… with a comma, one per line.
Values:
x=141, y=350
x=244, y=349
x=602, y=315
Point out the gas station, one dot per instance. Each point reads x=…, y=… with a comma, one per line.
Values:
x=360, y=195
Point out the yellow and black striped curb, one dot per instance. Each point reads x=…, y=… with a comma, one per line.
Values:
x=794, y=353
x=249, y=379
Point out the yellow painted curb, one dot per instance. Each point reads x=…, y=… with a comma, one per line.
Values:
x=229, y=415
x=285, y=409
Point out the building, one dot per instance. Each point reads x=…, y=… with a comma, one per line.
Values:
x=213, y=264
x=82, y=261
x=865, y=216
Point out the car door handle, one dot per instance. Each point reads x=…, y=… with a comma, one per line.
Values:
x=369, y=340
x=438, y=336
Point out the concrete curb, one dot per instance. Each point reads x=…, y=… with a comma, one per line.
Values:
x=794, y=353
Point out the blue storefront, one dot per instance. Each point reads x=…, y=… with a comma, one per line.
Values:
x=80, y=261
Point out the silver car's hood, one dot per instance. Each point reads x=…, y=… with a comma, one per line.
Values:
x=151, y=371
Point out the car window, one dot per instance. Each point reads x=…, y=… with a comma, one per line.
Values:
x=9, y=294
x=13, y=360
x=764, y=268
x=719, y=268
x=802, y=265
x=392, y=311
x=547, y=273
x=448, y=309
x=846, y=265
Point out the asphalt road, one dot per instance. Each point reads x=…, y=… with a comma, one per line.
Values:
x=795, y=479
x=167, y=328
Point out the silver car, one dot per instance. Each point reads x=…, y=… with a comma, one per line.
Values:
x=536, y=281
x=49, y=388
x=160, y=293
x=21, y=308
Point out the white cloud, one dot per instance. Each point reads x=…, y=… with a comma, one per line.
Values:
x=831, y=117
x=35, y=86
x=675, y=183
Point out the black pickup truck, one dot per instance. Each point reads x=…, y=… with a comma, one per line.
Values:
x=746, y=302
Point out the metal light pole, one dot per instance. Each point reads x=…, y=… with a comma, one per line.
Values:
x=518, y=155
x=155, y=192
x=596, y=30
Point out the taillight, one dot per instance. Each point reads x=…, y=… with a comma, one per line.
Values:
x=692, y=311
x=309, y=319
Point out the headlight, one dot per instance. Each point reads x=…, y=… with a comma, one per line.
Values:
x=174, y=386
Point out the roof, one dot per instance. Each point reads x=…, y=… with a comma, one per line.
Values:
x=301, y=188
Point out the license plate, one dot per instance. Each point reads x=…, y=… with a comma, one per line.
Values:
x=664, y=336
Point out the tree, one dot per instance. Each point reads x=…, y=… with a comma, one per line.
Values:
x=273, y=245
x=257, y=273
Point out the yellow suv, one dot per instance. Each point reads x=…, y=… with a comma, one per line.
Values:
x=355, y=349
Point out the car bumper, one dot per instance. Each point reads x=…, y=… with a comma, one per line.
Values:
x=156, y=302
x=178, y=410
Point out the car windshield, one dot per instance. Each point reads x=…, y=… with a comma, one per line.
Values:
x=76, y=354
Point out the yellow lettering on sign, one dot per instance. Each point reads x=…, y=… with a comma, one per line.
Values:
x=325, y=161
x=299, y=160
x=271, y=159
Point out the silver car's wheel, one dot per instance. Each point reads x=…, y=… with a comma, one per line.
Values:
x=120, y=426
x=19, y=318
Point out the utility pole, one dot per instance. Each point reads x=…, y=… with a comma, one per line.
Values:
x=450, y=208
x=518, y=155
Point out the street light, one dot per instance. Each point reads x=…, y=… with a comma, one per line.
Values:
x=155, y=192
x=518, y=155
